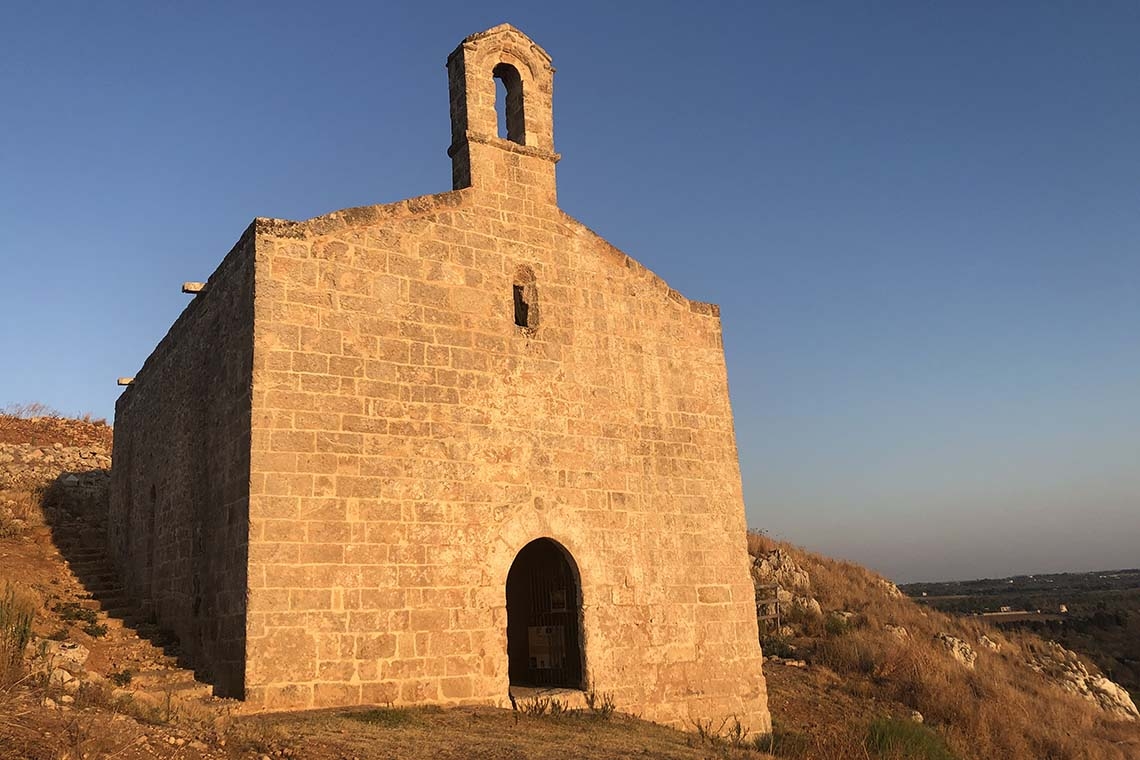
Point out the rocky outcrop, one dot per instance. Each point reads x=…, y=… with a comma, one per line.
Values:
x=38, y=473
x=989, y=643
x=792, y=581
x=890, y=589
x=1066, y=668
x=777, y=566
x=898, y=632
x=958, y=649
x=27, y=466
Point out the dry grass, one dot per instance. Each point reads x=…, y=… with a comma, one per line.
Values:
x=17, y=612
x=24, y=511
x=1001, y=709
x=433, y=733
x=29, y=411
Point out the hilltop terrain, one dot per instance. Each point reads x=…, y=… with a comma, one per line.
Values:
x=854, y=668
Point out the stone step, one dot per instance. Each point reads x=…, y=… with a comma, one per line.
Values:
x=100, y=569
x=88, y=563
x=119, y=605
x=173, y=676
x=106, y=593
x=92, y=575
x=75, y=558
x=121, y=609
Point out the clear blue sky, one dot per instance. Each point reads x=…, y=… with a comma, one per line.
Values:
x=920, y=221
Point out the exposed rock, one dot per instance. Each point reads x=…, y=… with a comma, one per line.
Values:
x=916, y=716
x=989, y=643
x=793, y=584
x=777, y=566
x=843, y=615
x=889, y=588
x=807, y=604
x=25, y=466
x=60, y=678
x=958, y=649
x=66, y=655
x=786, y=661
x=1066, y=668
x=898, y=631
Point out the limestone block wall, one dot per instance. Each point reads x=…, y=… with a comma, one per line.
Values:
x=178, y=523
x=409, y=439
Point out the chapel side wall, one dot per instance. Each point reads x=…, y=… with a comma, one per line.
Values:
x=180, y=475
x=409, y=439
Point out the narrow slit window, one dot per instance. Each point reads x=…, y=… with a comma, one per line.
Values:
x=509, y=103
x=525, y=294
x=521, y=307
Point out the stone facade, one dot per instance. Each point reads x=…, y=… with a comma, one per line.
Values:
x=179, y=506
x=417, y=391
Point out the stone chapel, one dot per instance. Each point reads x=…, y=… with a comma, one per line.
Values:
x=445, y=449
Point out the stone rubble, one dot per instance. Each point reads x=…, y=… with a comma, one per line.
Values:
x=1065, y=667
x=989, y=643
x=958, y=649
x=794, y=583
x=24, y=466
x=898, y=631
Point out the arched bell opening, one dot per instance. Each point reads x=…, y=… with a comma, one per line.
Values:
x=544, y=617
x=509, y=107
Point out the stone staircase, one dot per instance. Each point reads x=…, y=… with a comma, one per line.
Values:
x=133, y=641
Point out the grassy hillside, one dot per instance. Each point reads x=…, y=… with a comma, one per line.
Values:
x=874, y=645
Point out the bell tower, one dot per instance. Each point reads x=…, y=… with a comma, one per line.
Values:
x=521, y=164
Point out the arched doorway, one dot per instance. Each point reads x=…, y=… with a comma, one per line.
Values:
x=544, y=620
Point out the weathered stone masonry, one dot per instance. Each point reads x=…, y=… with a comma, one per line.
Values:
x=180, y=477
x=396, y=400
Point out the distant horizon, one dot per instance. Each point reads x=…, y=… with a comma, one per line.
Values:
x=1019, y=575
x=921, y=578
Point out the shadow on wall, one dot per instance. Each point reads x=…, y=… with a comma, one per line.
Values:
x=75, y=507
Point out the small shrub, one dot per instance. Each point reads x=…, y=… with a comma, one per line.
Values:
x=558, y=707
x=95, y=630
x=900, y=738
x=735, y=732
x=854, y=653
x=782, y=743
x=709, y=730
x=121, y=677
x=534, y=707
x=777, y=646
x=600, y=705
x=806, y=621
x=97, y=694
x=73, y=611
x=836, y=626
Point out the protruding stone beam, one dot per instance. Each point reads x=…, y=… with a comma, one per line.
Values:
x=193, y=288
x=126, y=380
